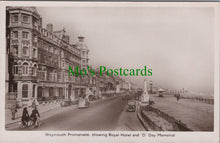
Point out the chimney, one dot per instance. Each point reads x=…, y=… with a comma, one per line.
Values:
x=81, y=38
x=50, y=28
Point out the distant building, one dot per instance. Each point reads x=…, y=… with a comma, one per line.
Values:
x=84, y=52
x=150, y=86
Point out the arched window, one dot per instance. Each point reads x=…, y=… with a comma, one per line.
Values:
x=25, y=68
x=25, y=91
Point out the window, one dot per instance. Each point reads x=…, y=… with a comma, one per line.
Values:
x=35, y=24
x=15, y=87
x=55, y=76
x=25, y=91
x=55, y=51
x=15, y=18
x=51, y=76
x=33, y=94
x=25, y=50
x=45, y=47
x=35, y=70
x=25, y=18
x=34, y=38
x=43, y=74
x=25, y=69
x=15, y=34
x=59, y=76
x=49, y=59
x=63, y=63
x=15, y=68
x=35, y=52
x=15, y=49
x=51, y=49
x=25, y=35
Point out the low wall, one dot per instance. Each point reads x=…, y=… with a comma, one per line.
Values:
x=177, y=124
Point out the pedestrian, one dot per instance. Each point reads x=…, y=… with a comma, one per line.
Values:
x=34, y=104
x=34, y=115
x=13, y=111
x=178, y=97
x=25, y=116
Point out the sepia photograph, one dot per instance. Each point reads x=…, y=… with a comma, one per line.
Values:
x=112, y=70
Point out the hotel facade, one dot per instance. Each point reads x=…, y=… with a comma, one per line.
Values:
x=37, y=61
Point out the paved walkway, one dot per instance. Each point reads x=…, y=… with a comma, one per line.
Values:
x=41, y=108
x=196, y=115
x=45, y=111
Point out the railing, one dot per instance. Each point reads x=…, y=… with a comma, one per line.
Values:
x=202, y=99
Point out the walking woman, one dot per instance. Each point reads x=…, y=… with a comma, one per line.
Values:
x=34, y=115
x=25, y=116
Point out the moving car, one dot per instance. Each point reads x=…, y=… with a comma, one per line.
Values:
x=131, y=107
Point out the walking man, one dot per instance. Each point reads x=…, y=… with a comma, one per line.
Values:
x=13, y=111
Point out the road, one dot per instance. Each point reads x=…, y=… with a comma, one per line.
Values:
x=110, y=115
x=103, y=115
x=197, y=115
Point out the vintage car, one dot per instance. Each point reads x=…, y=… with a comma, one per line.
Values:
x=131, y=107
x=65, y=103
x=83, y=103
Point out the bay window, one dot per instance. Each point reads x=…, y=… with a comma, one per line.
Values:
x=25, y=91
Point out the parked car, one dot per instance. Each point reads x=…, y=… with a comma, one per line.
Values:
x=125, y=97
x=65, y=103
x=131, y=107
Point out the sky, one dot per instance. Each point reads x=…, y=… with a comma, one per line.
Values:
x=176, y=43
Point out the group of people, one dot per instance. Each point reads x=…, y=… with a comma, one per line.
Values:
x=25, y=116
